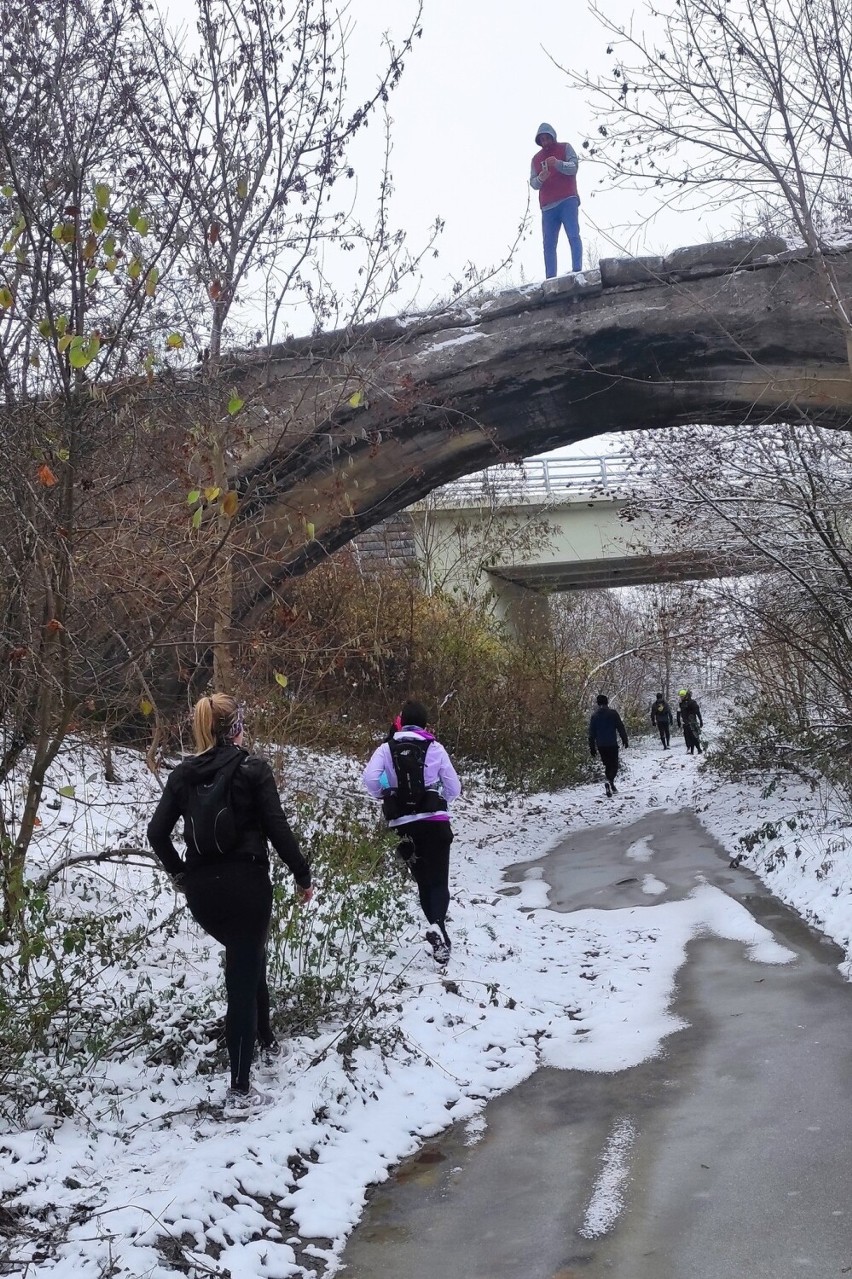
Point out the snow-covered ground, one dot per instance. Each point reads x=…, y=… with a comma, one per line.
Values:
x=144, y=1178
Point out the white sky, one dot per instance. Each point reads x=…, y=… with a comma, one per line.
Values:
x=481, y=80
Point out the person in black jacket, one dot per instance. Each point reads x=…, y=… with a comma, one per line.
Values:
x=661, y=715
x=689, y=718
x=229, y=892
x=605, y=728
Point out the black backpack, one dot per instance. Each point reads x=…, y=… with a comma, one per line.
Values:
x=411, y=795
x=209, y=825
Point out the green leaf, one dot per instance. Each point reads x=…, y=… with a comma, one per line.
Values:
x=281, y=680
x=193, y=496
x=235, y=404
x=135, y=269
x=61, y=324
x=64, y=343
x=141, y=226
x=311, y=531
x=242, y=188
x=67, y=792
x=83, y=351
x=6, y=297
x=111, y=264
x=151, y=282
x=91, y=275
x=44, y=328
x=109, y=246
x=357, y=399
x=102, y=194
x=99, y=220
x=133, y=215
x=8, y=191
x=63, y=455
x=175, y=341
x=197, y=517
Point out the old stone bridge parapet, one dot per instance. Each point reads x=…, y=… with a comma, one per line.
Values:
x=354, y=426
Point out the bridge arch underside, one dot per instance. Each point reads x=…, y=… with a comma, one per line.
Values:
x=743, y=339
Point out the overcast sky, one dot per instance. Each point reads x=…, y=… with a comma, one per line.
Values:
x=480, y=81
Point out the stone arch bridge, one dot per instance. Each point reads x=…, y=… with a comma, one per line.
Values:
x=351, y=427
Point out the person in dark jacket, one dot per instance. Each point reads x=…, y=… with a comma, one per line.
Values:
x=605, y=728
x=689, y=718
x=229, y=893
x=661, y=715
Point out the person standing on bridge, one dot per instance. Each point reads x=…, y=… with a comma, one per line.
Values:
x=605, y=728
x=661, y=716
x=553, y=174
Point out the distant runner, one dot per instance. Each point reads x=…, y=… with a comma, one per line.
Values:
x=605, y=728
x=689, y=718
x=661, y=716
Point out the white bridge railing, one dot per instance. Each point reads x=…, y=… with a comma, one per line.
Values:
x=537, y=479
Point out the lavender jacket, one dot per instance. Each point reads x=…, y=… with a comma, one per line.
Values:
x=438, y=773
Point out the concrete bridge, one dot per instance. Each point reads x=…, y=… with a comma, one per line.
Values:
x=548, y=525
x=351, y=427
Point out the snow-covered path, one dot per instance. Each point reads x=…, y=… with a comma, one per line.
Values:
x=722, y=1155
x=143, y=1180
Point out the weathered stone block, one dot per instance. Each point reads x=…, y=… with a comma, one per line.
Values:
x=616, y=271
x=724, y=254
x=569, y=286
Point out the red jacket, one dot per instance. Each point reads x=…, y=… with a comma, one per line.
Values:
x=559, y=186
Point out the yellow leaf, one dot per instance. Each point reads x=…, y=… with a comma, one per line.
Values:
x=145, y=706
x=281, y=680
x=175, y=341
x=356, y=400
x=211, y=494
x=311, y=531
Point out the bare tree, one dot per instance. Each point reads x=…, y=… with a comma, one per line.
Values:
x=159, y=194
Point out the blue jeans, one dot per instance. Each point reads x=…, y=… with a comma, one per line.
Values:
x=566, y=213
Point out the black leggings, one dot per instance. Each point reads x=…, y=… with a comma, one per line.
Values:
x=609, y=759
x=664, y=729
x=233, y=903
x=430, y=865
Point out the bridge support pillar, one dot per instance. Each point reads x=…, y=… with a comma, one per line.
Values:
x=524, y=613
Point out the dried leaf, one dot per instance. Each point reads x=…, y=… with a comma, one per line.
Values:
x=230, y=503
x=54, y=625
x=213, y=233
x=45, y=476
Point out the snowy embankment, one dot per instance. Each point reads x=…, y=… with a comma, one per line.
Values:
x=143, y=1178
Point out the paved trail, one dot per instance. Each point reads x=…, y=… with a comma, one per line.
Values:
x=725, y=1157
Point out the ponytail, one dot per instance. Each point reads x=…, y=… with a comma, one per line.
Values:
x=214, y=720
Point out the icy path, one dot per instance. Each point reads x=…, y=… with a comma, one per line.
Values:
x=722, y=1154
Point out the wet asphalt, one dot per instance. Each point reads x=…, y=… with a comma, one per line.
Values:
x=740, y=1132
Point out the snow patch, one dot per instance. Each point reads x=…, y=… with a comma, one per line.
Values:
x=607, y=1199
